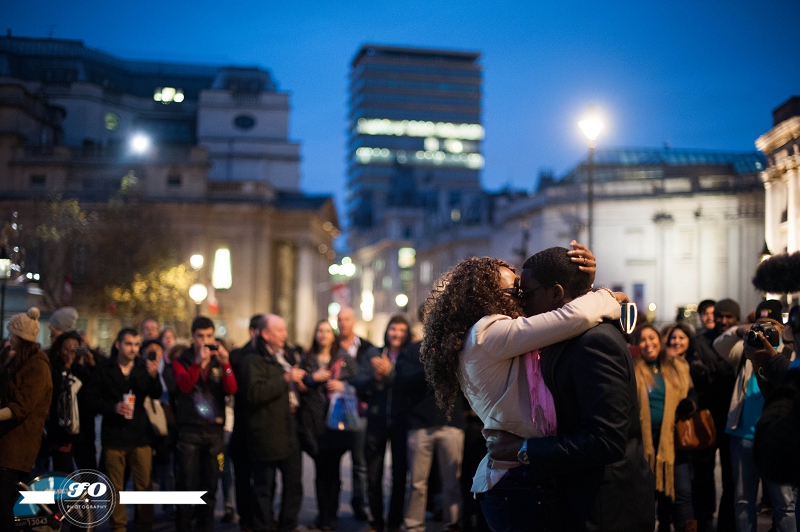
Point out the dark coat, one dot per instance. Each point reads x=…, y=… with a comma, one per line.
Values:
x=107, y=387
x=27, y=392
x=414, y=405
x=713, y=377
x=776, y=447
x=211, y=392
x=263, y=427
x=596, y=462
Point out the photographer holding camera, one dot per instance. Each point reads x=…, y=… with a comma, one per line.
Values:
x=747, y=403
x=203, y=376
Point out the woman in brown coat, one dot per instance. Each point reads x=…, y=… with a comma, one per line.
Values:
x=26, y=388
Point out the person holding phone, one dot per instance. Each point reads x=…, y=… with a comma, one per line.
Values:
x=203, y=377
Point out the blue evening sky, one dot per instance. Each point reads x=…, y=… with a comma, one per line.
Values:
x=696, y=74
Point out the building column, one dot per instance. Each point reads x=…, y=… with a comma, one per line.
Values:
x=305, y=296
x=791, y=191
x=770, y=217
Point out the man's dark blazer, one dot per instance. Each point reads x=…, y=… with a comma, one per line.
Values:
x=595, y=461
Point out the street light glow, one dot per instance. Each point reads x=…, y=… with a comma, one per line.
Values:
x=198, y=292
x=591, y=126
x=401, y=300
x=196, y=261
x=140, y=143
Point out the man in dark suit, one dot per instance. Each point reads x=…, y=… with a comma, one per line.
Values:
x=595, y=463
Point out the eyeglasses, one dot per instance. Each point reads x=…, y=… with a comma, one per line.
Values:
x=517, y=291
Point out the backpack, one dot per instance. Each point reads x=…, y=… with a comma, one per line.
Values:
x=67, y=405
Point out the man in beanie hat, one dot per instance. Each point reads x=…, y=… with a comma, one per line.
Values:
x=25, y=390
x=713, y=377
x=746, y=404
x=61, y=321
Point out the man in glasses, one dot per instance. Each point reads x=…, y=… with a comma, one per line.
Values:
x=595, y=463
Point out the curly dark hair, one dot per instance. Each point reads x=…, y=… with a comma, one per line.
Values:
x=461, y=297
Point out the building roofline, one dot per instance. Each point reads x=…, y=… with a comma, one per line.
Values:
x=454, y=54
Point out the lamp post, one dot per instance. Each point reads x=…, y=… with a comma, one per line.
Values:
x=198, y=292
x=591, y=127
x=5, y=274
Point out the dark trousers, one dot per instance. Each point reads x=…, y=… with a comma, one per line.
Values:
x=328, y=483
x=291, y=470
x=243, y=478
x=514, y=505
x=200, y=453
x=9, y=493
x=377, y=437
x=358, y=455
x=704, y=493
x=85, y=454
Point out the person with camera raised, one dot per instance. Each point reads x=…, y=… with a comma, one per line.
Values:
x=747, y=403
x=203, y=377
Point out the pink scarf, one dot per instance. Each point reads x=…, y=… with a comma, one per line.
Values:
x=543, y=410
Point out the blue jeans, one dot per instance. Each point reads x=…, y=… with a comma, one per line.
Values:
x=680, y=510
x=513, y=505
x=745, y=479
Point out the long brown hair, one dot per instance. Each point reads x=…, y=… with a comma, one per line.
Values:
x=666, y=363
x=315, y=348
x=461, y=297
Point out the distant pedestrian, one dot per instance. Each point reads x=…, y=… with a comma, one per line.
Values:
x=203, y=377
x=118, y=390
x=265, y=428
x=26, y=387
x=328, y=369
x=357, y=348
x=376, y=383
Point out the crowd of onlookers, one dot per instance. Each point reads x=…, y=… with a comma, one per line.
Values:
x=183, y=416
x=730, y=370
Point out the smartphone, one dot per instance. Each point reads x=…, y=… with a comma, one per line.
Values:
x=151, y=355
x=212, y=347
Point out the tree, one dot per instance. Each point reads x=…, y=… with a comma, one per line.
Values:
x=116, y=255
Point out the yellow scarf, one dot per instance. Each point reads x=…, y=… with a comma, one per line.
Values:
x=676, y=382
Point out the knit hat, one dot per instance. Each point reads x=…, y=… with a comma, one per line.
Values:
x=64, y=319
x=728, y=306
x=770, y=308
x=26, y=326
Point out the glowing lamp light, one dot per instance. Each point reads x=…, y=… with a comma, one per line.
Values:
x=334, y=308
x=5, y=264
x=140, y=143
x=591, y=126
x=406, y=257
x=367, y=305
x=221, y=276
x=401, y=300
x=651, y=307
x=196, y=261
x=198, y=293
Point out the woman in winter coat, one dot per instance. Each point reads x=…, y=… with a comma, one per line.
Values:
x=328, y=368
x=25, y=390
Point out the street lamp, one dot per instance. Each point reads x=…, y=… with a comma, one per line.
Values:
x=198, y=292
x=591, y=126
x=5, y=275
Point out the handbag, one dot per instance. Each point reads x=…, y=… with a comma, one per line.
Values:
x=343, y=411
x=156, y=415
x=697, y=432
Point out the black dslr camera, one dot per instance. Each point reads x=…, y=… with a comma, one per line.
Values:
x=768, y=330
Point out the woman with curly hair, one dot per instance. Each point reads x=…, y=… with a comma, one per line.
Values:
x=477, y=339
